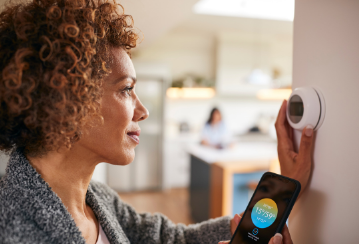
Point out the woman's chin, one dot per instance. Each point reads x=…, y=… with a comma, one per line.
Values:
x=120, y=163
x=122, y=159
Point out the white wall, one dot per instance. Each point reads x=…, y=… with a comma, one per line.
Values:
x=238, y=53
x=156, y=17
x=100, y=173
x=326, y=54
x=225, y=54
x=184, y=52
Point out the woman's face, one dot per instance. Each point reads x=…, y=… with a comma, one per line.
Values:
x=115, y=140
x=216, y=117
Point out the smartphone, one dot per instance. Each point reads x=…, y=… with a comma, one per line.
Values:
x=268, y=209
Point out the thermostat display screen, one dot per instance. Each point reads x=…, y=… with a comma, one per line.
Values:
x=296, y=109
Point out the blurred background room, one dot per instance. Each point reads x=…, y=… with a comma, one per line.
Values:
x=196, y=55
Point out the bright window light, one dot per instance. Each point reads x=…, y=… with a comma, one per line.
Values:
x=190, y=93
x=258, y=9
x=274, y=94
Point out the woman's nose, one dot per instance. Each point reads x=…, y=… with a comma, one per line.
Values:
x=141, y=112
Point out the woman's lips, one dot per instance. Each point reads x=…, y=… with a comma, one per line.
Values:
x=135, y=135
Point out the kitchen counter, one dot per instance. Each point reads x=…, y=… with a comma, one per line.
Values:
x=219, y=177
x=240, y=152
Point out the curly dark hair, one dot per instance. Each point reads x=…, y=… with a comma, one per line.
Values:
x=54, y=56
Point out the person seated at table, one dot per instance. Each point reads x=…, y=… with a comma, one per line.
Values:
x=215, y=133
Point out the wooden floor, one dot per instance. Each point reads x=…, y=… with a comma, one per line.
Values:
x=173, y=203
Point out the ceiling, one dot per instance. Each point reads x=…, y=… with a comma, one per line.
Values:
x=216, y=24
x=155, y=17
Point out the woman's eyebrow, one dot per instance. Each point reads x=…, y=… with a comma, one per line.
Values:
x=124, y=78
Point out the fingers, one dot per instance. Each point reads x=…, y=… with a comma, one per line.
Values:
x=284, y=131
x=234, y=223
x=290, y=132
x=237, y=219
x=281, y=120
x=306, y=144
x=283, y=238
x=287, y=239
x=223, y=242
x=276, y=239
x=282, y=113
x=271, y=240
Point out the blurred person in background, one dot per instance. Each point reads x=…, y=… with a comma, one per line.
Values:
x=215, y=133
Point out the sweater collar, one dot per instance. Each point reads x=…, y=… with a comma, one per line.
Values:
x=39, y=203
x=44, y=207
x=107, y=219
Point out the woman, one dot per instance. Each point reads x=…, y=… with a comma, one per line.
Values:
x=215, y=133
x=68, y=103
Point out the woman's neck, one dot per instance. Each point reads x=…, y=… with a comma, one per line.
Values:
x=68, y=173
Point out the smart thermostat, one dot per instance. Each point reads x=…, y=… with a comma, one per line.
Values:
x=306, y=106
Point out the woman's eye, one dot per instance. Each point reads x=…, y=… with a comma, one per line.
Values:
x=128, y=91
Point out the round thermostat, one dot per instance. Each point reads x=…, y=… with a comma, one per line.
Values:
x=306, y=106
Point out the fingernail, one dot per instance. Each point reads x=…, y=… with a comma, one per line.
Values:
x=237, y=219
x=309, y=131
x=277, y=239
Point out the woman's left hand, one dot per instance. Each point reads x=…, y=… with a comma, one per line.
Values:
x=283, y=238
x=292, y=164
x=235, y=222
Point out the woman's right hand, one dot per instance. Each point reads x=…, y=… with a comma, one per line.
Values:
x=294, y=165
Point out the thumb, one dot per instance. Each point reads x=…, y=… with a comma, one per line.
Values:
x=306, y=143
x=277, y=239
x=237, y=219
x=223, y=242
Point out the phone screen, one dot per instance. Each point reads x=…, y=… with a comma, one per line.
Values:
x=274, y=194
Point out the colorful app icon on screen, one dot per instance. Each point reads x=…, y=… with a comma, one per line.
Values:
x=264, y=213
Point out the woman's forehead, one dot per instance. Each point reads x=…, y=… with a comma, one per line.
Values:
x=121, y=63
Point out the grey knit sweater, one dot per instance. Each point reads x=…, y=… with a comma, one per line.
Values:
x=30, y=212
